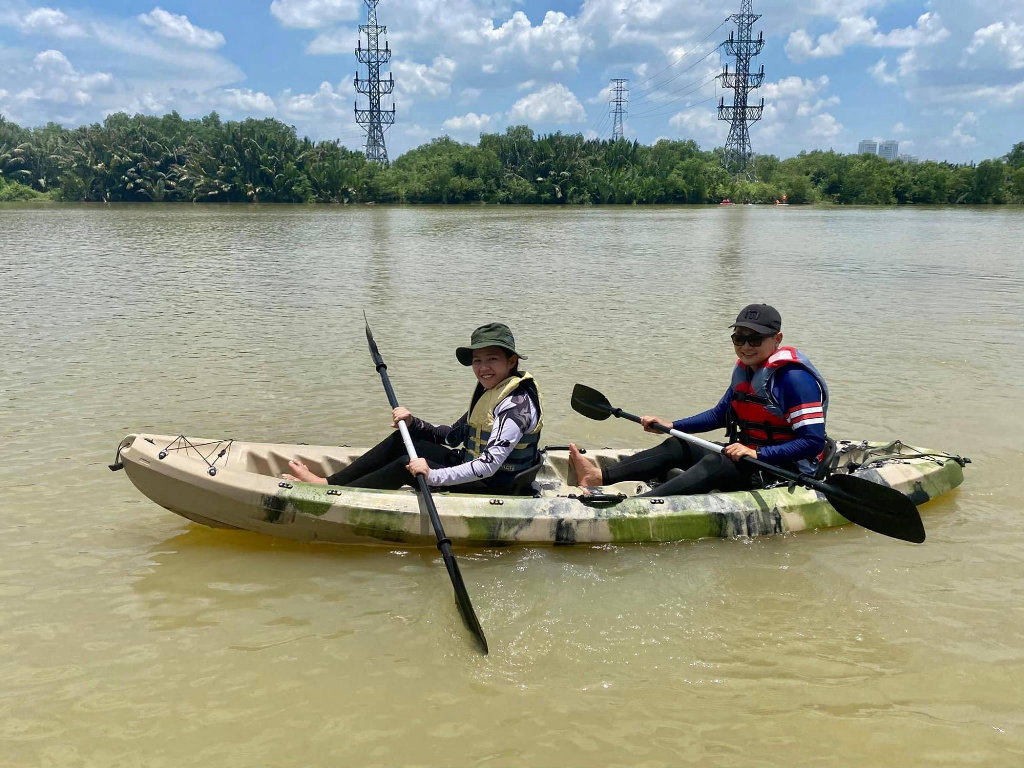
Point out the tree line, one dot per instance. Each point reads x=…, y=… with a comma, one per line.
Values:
x=147, y=158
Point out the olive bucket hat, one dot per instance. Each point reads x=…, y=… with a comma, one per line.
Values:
x=490, y=335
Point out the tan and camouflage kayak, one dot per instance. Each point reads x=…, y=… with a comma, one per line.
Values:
x=233, y=484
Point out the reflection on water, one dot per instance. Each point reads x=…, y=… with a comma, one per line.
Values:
x=128, y=635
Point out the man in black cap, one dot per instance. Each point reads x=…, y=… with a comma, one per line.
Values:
x=774, y=410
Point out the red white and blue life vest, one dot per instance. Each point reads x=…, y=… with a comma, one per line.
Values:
x=757, y=418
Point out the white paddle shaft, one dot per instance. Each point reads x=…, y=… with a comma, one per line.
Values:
x=697, y=441
x=407, y=440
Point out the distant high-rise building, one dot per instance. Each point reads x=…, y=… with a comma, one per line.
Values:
x=889, y=149
x=909, y=158
x=867, y=147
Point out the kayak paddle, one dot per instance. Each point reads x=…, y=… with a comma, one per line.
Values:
x=876, y=507
x=444, y=544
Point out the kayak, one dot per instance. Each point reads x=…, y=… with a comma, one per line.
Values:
x=239, y=485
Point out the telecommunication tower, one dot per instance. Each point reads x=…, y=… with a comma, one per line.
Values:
x=374, y=120
x=618, y=105
x=740, y=114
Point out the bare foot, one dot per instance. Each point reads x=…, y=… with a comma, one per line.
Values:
x=587, y=472
x=302, y=474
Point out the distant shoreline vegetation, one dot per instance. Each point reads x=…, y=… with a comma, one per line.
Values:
x=170, y=159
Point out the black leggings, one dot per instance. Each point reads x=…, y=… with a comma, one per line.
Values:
x=704, y=470
x=383, y=466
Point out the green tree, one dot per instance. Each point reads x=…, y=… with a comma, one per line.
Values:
x=989, y=180
x=931, y=182
x=1015, y=157
x=1017, y=185
x=765, y=167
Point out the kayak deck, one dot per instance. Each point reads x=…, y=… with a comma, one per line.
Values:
x=235, y=484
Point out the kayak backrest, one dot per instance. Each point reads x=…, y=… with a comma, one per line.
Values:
x=522, y=483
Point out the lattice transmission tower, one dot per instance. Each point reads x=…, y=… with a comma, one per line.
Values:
x=374, y=120
x=617, y=103
x=742, y=46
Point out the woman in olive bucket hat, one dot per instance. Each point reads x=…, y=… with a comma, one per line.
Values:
x=774, y=410
x=483, y=452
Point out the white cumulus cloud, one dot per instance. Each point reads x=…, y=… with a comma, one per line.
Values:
x=961, y=131
x=432, y=80
x=470, y=122
x=177, y=27
x=556, y=43
x=310, y=14
x=1004, y=42
x=328, y=100
x=702, y=125
x=796, y=115
x=54, y=79
x=50, y=21
x=247, y=101
x=551, y=104
x=880, y=72
x=962, y=134
x=861, y=30
x=824, y=127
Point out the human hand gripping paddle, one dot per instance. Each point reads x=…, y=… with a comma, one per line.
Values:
x=876, y=507
x=444, y=544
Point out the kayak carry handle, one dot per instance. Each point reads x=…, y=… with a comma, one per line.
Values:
x=598, y=499
x=117, y=454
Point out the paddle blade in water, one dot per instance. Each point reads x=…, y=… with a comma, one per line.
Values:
x=462, y=600
x=876, y=507
x=590, y=403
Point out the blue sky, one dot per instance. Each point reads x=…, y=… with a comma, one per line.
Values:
x=943, y=77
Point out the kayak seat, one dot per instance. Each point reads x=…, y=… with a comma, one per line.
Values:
x=829, y=460
x=522, y=483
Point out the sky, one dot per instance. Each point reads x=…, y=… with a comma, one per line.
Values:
x=945, y=78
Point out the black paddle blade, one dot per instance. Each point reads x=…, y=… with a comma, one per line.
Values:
x=590, y=403
x=876, y=507
x=462, y=599
x=374, y=352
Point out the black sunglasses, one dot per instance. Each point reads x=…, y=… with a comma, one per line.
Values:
x=754, y=340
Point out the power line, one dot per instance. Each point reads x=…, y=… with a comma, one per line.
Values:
x=639, y=95
x=658, y=108
x=650, y=96
x=688, y=53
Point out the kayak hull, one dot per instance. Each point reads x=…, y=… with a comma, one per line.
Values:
x=232, y=484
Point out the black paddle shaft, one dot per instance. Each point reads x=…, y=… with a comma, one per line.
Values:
x=876, y=507
x=444, y=544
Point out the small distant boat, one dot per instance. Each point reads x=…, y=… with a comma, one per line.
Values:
x=727, y=201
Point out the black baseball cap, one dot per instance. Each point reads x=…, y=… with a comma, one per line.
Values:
x=762, y=318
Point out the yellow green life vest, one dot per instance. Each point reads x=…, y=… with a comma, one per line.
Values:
x=481, y=421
